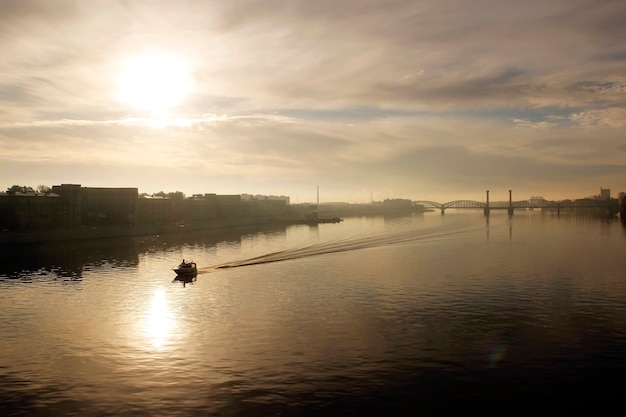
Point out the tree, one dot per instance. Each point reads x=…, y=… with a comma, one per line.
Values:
x=177, y=195
x=14, y=189
x=43, y=189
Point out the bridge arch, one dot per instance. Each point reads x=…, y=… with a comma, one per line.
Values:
x=451, y=204
x=464, y=204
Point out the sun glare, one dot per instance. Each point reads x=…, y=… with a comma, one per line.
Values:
x=159, y=321
x=154, y=82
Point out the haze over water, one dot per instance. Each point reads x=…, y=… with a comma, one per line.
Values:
x=373, y=316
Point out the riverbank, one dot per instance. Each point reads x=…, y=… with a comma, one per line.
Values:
x=104, y=232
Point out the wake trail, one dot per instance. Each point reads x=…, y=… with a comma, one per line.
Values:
x=342, y=245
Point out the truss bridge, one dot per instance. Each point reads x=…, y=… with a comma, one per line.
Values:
x=532, y=203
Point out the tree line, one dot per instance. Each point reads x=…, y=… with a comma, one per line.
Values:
x=44, y=189
x=41, y=189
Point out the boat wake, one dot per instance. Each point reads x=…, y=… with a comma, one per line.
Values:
x=343, y=245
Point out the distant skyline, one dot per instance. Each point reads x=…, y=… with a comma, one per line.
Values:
x=367, y=99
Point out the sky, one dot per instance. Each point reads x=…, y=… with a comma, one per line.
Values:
x=366, y=99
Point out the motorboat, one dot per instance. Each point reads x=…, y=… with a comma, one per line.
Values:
x=186, y=269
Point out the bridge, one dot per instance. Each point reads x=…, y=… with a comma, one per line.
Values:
x=532, y=203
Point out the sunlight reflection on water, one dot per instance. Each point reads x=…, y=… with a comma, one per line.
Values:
x=159, y=321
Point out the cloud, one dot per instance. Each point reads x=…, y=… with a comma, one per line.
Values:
x=613, y=117
x=322, y=55
x=401, y=95
x=523, y=123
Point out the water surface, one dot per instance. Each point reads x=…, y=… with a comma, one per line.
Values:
x=372, y=316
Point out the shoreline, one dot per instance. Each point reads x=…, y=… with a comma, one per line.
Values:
x=104, y=232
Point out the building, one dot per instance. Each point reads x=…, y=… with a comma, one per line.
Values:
x=201, y=207
x=229, y=206
x=398, y=205
x=605, y=193
x=109, y=206
x=155, y=210
x=250, y=197
x=537, y=200
x=85, y=206
x=70, y=195
x=31, y=211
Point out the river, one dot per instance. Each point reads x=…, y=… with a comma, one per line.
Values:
x=426, y=314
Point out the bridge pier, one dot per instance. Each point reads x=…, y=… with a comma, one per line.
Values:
x=510, y=203
x=486, y=209
x=443, y=211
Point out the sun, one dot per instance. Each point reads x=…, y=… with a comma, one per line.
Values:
x=154, y=82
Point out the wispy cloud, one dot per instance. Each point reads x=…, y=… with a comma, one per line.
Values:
x=613, y=117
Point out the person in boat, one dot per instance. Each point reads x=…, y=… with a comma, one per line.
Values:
x=185, y=264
